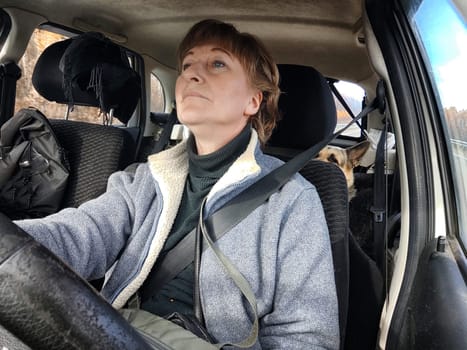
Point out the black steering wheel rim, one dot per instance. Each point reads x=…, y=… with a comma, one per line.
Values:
x=47, y=305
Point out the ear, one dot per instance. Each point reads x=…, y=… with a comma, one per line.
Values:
x=254, y=103
x=355, y=153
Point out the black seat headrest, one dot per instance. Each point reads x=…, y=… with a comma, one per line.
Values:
x=88, y=70
x=307, y=107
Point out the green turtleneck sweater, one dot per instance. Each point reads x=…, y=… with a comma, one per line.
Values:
x=203, y=172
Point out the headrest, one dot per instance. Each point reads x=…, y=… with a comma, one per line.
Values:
x=307, y=107
x=88, y=70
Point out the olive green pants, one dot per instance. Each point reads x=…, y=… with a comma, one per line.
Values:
x=163, y=334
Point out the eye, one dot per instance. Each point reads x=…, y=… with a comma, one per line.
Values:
x=332, y=158
x=185, y=66
x=218, y=64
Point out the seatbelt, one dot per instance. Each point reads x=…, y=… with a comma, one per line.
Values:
x=236, y=276
x=221, y=221
x=9, y=74
x=379, y=203
x=166, y=132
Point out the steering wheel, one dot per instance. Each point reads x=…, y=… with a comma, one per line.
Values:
x=46, y=305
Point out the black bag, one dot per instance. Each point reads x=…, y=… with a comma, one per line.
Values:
x=192, y=324
x=33, y=167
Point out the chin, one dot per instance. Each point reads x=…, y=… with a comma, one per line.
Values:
x=193, y=116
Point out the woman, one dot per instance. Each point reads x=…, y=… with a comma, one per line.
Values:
x=226, y=94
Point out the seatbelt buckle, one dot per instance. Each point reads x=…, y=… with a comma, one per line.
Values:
x=378, y=214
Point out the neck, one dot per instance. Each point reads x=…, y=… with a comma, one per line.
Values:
x=212, y=140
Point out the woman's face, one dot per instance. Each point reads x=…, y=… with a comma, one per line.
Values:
x=213, y=94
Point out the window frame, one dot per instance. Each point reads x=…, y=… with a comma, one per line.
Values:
x=448, y=169
x=163, y=93
x=5, y=27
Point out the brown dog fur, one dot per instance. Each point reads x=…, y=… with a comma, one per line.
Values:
x=346, y=159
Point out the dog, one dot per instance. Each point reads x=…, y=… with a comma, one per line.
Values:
x=360, y=216
x=346, y=159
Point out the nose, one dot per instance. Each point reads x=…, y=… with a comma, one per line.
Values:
x=195, y=72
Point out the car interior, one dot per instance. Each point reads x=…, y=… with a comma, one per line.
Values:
x=308, y=116
x=316, y=44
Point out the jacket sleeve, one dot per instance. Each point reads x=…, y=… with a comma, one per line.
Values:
x=305, y=310
x=89, y=238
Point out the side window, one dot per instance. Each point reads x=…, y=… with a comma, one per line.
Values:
x=157, y=95
x=27, y=96
x=352, y=95
x=443, y=35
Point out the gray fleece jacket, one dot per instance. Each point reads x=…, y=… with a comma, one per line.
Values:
x=282, y=248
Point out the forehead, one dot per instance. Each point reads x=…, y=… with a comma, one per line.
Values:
x=208, y=48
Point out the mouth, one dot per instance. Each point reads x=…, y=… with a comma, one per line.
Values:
x=194, y=94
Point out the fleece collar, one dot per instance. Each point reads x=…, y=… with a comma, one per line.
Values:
x=162, y=167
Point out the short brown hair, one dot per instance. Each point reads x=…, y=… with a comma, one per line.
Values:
x=255, y=59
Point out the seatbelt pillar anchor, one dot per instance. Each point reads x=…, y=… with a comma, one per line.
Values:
x=380, y=100
x=378, y=214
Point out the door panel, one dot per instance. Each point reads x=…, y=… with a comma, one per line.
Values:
x=436, y=314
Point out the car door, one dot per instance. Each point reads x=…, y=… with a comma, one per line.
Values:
x=423, y=43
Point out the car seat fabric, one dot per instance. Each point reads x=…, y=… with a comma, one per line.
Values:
x=309, y=116
x=94, y=151
x=332, y=189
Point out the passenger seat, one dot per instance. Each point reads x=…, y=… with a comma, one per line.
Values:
x=65, y=74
